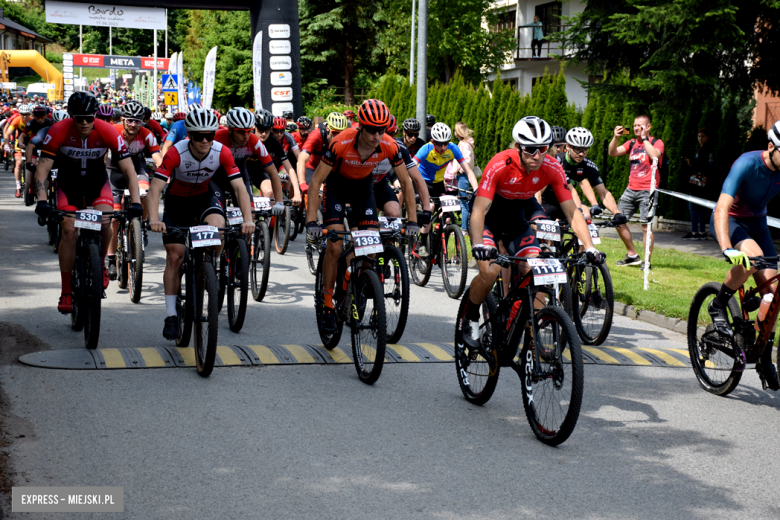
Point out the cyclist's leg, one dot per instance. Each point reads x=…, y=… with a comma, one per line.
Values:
x=524, y=245
x=143, y=184
x=332, y=220
x=739, y=232
x=214, y=214
x=67, y=248
x=385, y=199
x=18, y=159
x=118, y=185
x=434, y=190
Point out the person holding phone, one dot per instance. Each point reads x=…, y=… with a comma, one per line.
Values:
x=641, y=151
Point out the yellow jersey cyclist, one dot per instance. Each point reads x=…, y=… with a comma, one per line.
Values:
x=498, y=222
x=739, y=225
x=345, y=173
x=16, y=125
x=432, y=160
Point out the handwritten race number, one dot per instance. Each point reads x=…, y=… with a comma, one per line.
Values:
x=262, y=203
x=547, y=271
x=89, y=219
x=367, y=242
x=594, y=234
x=548, y=230
x=234, y=216
x=449, y=203
x=204, y=236
x=392, y=224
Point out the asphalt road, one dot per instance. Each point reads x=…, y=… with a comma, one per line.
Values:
x=312, y=441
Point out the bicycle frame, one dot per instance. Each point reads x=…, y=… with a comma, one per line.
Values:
x=766, y=326
x=438, y=220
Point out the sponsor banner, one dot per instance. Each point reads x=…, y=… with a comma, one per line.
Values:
x=172, y=63
x=117, y=62
x=281, y=79
x=182, y=94
x=281, y=94
x=279, y=47
x=209, y=74
x=280, y=108
x=148, y=64
x=279, y=30
x=8, y=84
x=105, y=15
x=65, y=68
x=257, y=69
x=278, y=21
x=280, y=63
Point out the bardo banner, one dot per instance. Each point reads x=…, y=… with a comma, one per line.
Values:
x=118, y=62
x=105, y=15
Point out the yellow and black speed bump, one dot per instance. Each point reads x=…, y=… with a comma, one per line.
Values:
x=259, y=355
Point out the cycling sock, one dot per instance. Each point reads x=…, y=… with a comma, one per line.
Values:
x=472, y=311
x=723, y=297
x=111, y=259
x=632, y=256
x=328, y=297
x=170, y=305
x=65, y=282
x=18, y=185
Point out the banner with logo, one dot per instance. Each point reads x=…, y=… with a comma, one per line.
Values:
x=105, y=15
x=172, y=63
x=180, y=72
x=257, y=69
x=209, y=74
x=104, y=61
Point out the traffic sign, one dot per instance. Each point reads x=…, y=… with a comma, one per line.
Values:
x=170, y=82
x=171, y=98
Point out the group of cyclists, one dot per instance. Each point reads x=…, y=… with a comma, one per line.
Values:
x=205, y=160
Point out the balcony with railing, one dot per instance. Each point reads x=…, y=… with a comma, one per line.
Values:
x=525, y=52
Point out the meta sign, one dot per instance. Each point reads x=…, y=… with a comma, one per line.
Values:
x=118, y=62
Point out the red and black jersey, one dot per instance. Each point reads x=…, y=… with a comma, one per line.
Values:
x=343, y=156
x=298, y=139
x=253, y=148
x=86, y=155
x=504, y=176
x=190, y=176
x=157, y=130
x=316, y=145
x=144, y=142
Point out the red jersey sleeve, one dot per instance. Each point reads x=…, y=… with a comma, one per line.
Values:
x=113, y=139
x=170, y=162
x=555, y=177
x=313, y=144
x=259, y=150
x=151, y=142
x=229, y=164
x=490, y=175
x=51, y=145
x=392, y=151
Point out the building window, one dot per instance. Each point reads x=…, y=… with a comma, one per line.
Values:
x=550, y=16
x=512, y=82
x=537, y=79
x=505, y=21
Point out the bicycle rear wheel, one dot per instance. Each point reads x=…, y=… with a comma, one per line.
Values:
x=135, y=259
x=282, y=231
x=395, y=281
x=477, y=376
x=454, y=261
x=328, y=340
x=369, y=328
x=419, y=268
x=238, y=285
x=206, y=319
x=261, y=261
x=122, y=271
x=716, y=363
x=592, y=291
x=551, y=374
x=93, y=291
x=185, y=307
x=77, y=316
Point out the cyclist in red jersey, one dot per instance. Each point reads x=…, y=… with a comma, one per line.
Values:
x=14, y=129
x=257, y=175
x=304, y=128
x=345, y=171
x=79, y=146
x=498, y=221
x=316, y=145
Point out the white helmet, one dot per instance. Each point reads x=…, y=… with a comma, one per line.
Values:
x=532, y=131
x=25, y=109
x=579, y=137
x=193, y=107
x=774, y=134
x=59, y=115
x=441, y=133
x=223, y=121
x=201, y=120
x=240, y=117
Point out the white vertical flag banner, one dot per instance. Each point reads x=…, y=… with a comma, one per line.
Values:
x=257, y=69
x=172, y=63
x=209, y=73
x=182, y=94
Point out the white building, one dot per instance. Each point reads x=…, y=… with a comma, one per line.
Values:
x=522, y=70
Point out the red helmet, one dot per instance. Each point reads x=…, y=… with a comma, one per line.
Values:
x=216, y=113
x=393, y=126
x=179, y=116
x=349, y=114
x=373, y=113
x=280, y=123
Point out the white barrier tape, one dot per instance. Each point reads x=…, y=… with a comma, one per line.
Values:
x=771, y=221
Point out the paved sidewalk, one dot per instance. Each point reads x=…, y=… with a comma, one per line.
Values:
x=671, y=240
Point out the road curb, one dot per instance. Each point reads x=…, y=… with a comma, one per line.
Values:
x=659, y=320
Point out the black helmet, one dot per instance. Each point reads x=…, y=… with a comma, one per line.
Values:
x=304, y=123
x=430, y=120
x=82, y=103
x=287, y=114
x=264, y=120
x=411, y=125
x=39, y=110
x=147, y=112
x=133, y=110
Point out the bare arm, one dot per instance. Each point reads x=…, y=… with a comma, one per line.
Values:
x=614, y=149
x=303, y=158
x=422, y=188
x=607, y=199
x=276, y=183
x=166, y=146
x=477, y=219
x=408, y=189
x=42, y=177
x=128, y=170
x=293, y=180
x=157, y=158
x=577, y=222
x=320, y=174
x=243, y=202
x=722, y=221
x=587, y=190
x=152, y=203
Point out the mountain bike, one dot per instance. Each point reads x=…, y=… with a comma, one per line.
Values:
x=394, y=276
x=446, y=248
x=260, y=255
x=358, y=300
x=719, y=360
x=130, y=252
x=233, y=269
x=591, y=285
x=282, y=224
x=550, y=364
x=28, y=184
x=86, y=280
x=197, y=304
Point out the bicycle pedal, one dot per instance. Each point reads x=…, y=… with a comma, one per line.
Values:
x=105, y=296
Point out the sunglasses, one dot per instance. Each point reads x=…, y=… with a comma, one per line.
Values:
x=279, y=131
x=242, y=131
x=579, y=151
x=202, y=136
x=373, y=130
x=263, y=130
x=134, y=122
x=441, y=145
x=84, y=119
x=533, y=150
x=412, y=134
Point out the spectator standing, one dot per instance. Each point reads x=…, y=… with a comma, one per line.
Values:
x=702, y=170
x=641, y=151
x=458, y=176
x=536, y=37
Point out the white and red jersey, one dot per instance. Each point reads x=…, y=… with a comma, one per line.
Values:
x=74, y=153
x=253, y=148
x=190, y=176
x=505, y=176
x=144, y=141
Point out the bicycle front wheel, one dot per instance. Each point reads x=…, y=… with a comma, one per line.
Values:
x=206, y=318
x=395, y=280
x=591, y=287
x=454, y=261
x=329, y=341
x=261, y=261
x=419, y=268
x=93, y=292
x=551, y=374
x=477, y=376
x=135, y=259
x=282, y=231
x=238, y=285
x=716, y=360
x=369, y=328
x=185, y=308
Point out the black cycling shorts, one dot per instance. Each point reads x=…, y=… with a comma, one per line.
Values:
x=191, y=211
x=256, y=173
x=508, y=222
x=337, y=193
x=119, y=184
x=436, y=190
x=749, y=228
x=553, y=212
x=383, y=193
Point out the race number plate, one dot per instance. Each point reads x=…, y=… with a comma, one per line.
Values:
x=367, y=242
x=548, y=230
x=262, y=203
x=547, y=271
x=234, y=216
x=89, y=219
x=204, y=236
x=391, y=224
x=141, y=193
x=54, y=175
x=449, y=203
x=594, y=234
